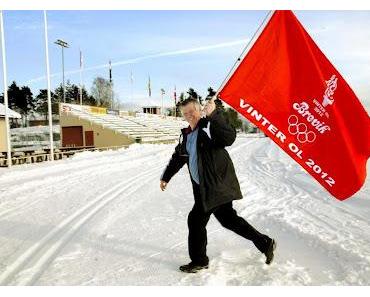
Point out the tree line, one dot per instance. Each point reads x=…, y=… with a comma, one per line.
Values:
x=22, y=100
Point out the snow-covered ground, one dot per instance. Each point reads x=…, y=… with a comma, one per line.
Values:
x=100, y=219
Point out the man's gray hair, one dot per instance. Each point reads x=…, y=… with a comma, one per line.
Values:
x=188, y=101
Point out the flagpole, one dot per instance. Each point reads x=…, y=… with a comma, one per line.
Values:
x=110, y=82
x=8, y=149
x=174, y=95
x=245, y=51
x=149, y=87
x=80, y=77
x=49, y=94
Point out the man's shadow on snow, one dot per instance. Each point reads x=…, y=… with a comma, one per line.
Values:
x=142, y=251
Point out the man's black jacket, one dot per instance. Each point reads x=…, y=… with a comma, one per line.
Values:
x=218, y=181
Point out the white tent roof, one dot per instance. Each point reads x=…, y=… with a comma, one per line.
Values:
x=11, y=113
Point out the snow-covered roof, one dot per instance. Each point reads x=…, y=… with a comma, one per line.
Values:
x=154, y=103
x=150, y=103
x=11, y=113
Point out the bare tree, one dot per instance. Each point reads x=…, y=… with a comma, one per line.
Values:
x=102, y=91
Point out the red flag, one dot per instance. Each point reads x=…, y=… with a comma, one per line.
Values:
x=288, y=88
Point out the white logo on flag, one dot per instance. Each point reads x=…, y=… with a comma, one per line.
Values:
x=300, y=129
x=329, y=92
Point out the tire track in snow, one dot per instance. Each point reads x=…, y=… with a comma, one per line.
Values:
x=324, y=226
x=42, y=254
x=60, y=170
x=32, y=263
x=232, y=151
x=60, y=234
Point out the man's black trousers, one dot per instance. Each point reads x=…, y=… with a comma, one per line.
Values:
x=227, y=216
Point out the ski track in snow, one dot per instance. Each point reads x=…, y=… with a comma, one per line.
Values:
x=100, y=219
x=15, y=186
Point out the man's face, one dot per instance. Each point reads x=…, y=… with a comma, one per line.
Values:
x=191, y=114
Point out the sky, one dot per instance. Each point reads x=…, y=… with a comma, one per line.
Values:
x=175, y=48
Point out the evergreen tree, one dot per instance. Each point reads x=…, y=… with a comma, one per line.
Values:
x=85, y=96
x=218, y=102
x=232, y=118
x=42, y=103
x=59, y=93
x=211, y=93
x=20, y=99
x=14, y=94
x=89, y=100
x=181, y=99
x=193, y=94
x=72, y=93
x=26, y=102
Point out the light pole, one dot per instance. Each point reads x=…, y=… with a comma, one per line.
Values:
x=63, y=45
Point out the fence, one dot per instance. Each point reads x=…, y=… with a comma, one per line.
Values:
x=19, y=158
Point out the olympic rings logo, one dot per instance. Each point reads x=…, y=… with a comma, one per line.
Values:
x=300, y=129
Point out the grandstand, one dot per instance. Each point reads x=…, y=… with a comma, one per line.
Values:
x=87, y=128
x=98, y=127
x=33, y=138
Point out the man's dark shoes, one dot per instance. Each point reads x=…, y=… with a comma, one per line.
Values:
x=193, y=267
x=270, y=252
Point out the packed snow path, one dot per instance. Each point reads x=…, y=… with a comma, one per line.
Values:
x=101, y=219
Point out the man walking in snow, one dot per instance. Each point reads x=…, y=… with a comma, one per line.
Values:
x=215, y=185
